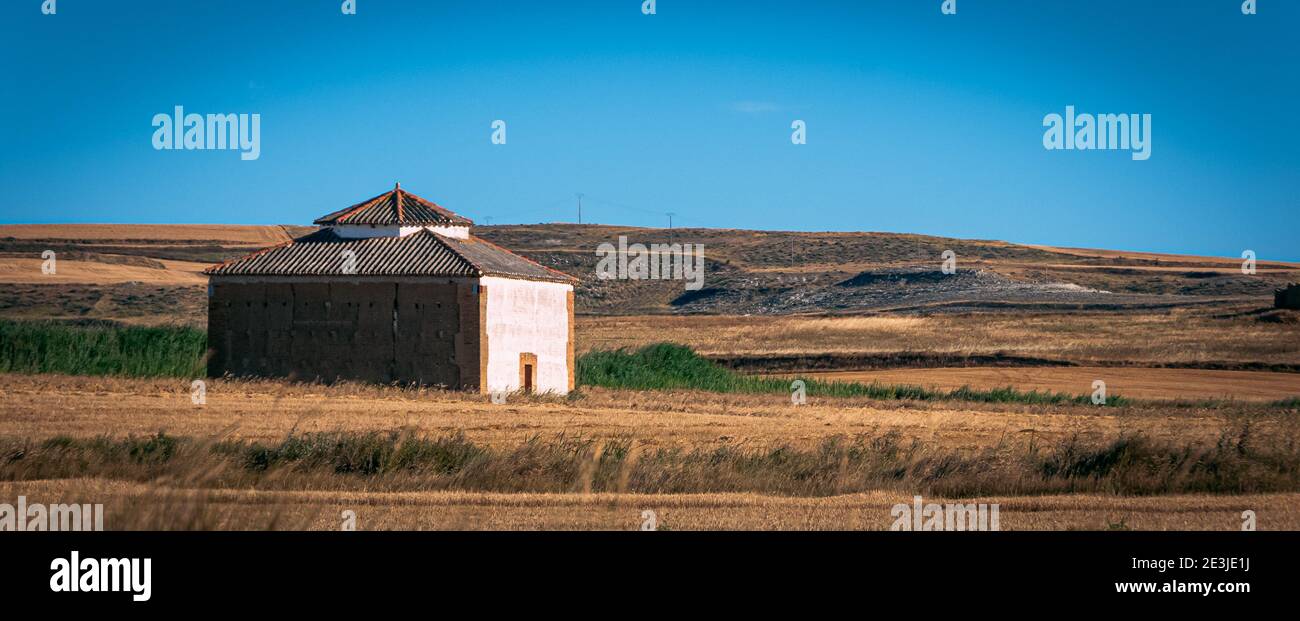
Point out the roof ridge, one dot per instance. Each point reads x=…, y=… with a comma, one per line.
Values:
x=396, y=206
x=353, y=210
x=443, y=211
x=421, y=253
x=549, y=269
x=450, y=248
x=340, y=215
x=255, y=253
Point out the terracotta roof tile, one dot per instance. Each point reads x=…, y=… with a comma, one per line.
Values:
x=396, y=206
x=419, y=254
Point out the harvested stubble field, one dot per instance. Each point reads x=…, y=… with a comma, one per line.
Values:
x=96, y=270
x=699, y=460
x=136, y=506
x=147, y=233
x=269, y=454
x=41, y=406
x=1135, y=383
x=1221, y=352
x=1191, y=336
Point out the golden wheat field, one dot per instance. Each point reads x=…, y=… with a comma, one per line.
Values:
x=22, y=270
x=159, y=506
x=208, y=495
x=48, y=405
x=1182, y=335
x=221, y=233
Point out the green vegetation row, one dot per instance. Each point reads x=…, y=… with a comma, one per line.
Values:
x=49, y=347
x=666, y=366
x=1239, y=462
x=127, y=351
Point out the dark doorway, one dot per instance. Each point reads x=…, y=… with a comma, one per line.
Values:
x=527, y=372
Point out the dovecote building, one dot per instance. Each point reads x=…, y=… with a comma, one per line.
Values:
x=393, y=289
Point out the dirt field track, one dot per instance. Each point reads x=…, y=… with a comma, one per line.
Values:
x=220, y=233
x=1136, y=383
x=1186, y=336
x=15, y=270
x=1185, y=259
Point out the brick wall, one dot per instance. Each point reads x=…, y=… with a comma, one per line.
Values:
x=422, y=332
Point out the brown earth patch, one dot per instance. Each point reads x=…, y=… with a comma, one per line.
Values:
x=1130, y=382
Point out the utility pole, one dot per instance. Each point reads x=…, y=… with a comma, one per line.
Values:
x=670, y=226
x=580, y=208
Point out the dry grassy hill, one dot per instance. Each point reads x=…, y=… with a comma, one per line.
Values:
x=151, y=273
x=764, y=272
x=135, y=273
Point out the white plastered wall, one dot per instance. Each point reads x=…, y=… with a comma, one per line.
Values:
x=527, y=316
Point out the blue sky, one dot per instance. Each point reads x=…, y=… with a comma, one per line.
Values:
x=916, y=122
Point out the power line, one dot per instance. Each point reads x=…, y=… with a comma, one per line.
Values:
x=622, y=207
x=548, y=209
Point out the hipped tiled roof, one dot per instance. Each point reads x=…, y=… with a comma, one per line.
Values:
x=396, y=206
x=423, y=253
